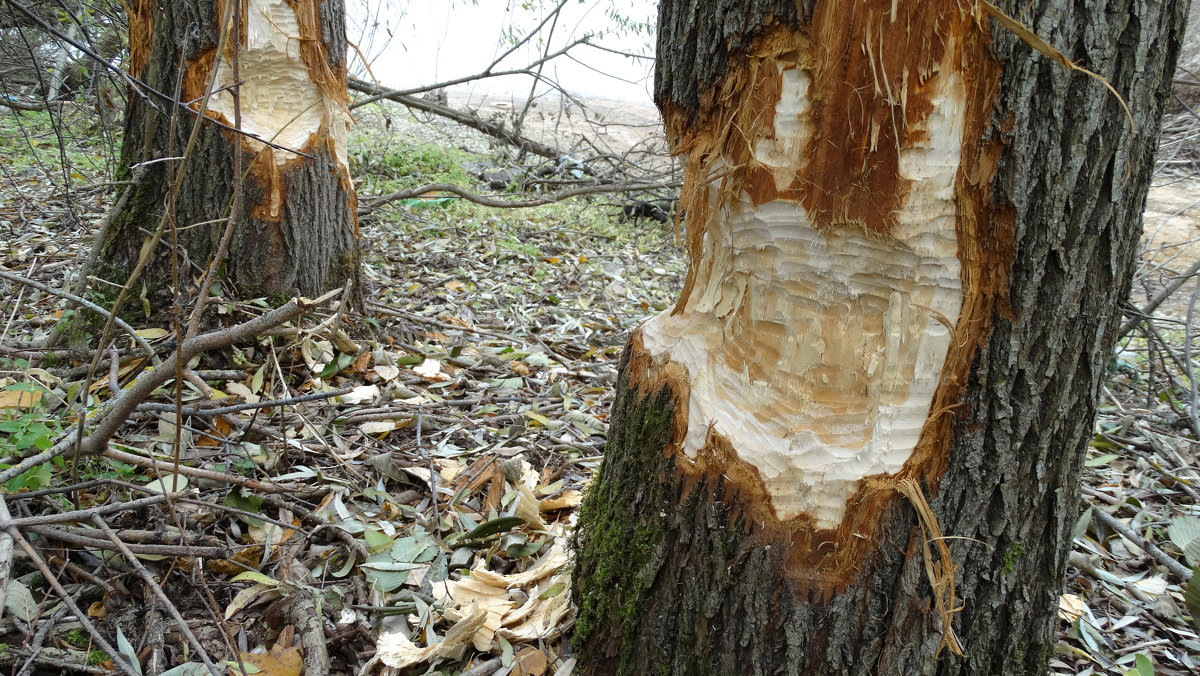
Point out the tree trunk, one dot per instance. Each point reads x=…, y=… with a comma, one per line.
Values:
x=297, y=229
x=854, y=444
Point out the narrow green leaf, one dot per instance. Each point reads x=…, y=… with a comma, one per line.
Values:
x=1081, y=526
x=1191, y=597
x=1145, y=665
x=127, y=651
x=506, y=652
x=554, y=590
x=255, y=576
x=500, y=524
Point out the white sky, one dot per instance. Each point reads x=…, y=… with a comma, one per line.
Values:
x=437, y=40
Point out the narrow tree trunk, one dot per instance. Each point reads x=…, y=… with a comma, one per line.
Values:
x=854, y=445
x=297, y=229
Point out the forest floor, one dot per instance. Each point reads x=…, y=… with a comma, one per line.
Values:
x=355, y=463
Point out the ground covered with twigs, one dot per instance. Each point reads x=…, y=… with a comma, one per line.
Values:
x=396, y=482
x=347, y=463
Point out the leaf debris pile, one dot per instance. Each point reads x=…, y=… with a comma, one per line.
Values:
x=402, y=477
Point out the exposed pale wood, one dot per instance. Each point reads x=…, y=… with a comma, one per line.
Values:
x=816, y=349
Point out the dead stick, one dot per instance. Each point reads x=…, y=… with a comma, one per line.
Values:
x=112, y=414
x=155, y=550
x=132, y=560
x=167, y=467
x=373, y=203
x=79, y=515
x=81, y=616
x=206, y=412
x=1178, y=569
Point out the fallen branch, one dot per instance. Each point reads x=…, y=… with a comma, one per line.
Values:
x=374, y=203
x=1177, y=569
x=112, y=414
x=210, y=412
x=17, y=104
x=305, y=615
x=81, y=514
x=78, y=540
x=467, y=119
x=13, y=277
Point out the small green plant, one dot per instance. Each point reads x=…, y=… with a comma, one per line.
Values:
x=410, y=163
x=1012, y=555
x=27, y=432
x=77, y=638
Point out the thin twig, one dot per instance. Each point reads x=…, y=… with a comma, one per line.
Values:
x=121, y=323
x=81, y=514
x=80, y=540
x=1177, y=569
x=153, y=585
x=1148, y=310
x=209, y=412
x=374, y=203
x=50, y=579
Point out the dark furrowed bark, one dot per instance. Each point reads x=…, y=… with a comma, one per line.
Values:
x=676, y=576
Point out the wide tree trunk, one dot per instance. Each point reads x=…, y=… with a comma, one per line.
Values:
x=854, y=445
x=297, y=228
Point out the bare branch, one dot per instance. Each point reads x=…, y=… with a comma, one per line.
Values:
x=495, y=130
x=376, y=202
x=113, y=412
x=13, y=277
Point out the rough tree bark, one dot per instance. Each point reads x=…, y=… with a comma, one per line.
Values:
x=909, y=232
x=297, y=228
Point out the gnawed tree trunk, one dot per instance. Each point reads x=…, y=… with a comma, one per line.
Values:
x=909, y=233
x=297, y=229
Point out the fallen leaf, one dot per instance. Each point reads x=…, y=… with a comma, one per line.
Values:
x=431, y=370
x=278, y=662
x=360, y=394
x=1152, y=585
x=378, y=426
x=245, y=598
x=530, y=662
x=360, y=364
x=168, y=484
x=565, y=500
x=19, y=602
x=386, y=372
x=22, y=399
x=220, y=430
x=1070, y=607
